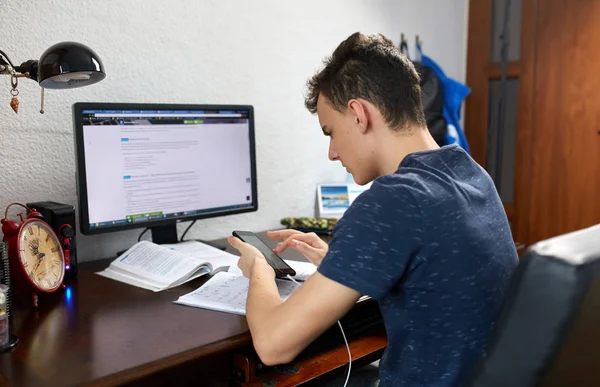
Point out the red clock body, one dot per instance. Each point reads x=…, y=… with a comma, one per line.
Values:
x=37, y=262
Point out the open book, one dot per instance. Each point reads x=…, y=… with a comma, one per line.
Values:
x=159, y=267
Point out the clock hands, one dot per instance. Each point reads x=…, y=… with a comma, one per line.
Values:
x=37, y=264
x=40, y=257
x=41, y=268
x=34, y=247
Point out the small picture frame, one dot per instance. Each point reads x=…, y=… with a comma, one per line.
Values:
x=335, y=198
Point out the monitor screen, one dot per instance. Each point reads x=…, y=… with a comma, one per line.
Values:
x=151, y=165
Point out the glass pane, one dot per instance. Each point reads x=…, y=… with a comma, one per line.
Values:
x=506, y=185
x=514, y=30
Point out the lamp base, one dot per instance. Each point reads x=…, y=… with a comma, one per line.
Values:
x=12, y=342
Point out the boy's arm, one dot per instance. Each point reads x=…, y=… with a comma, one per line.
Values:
x=281, y=330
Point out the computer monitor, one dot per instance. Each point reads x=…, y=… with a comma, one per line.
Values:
x=153, y=165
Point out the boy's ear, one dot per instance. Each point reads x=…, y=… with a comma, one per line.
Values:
x=360, y=114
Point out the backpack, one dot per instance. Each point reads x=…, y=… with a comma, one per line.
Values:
x=432, y=96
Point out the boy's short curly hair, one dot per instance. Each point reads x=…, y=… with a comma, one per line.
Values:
x=370, y=67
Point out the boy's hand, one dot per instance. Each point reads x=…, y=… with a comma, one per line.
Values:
x=249, y=257
x=309, y=244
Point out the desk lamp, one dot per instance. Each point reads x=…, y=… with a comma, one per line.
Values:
x=65, y=65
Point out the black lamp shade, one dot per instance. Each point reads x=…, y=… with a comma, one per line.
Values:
x=68, y=65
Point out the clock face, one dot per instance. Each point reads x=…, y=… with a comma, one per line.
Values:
x=41, y=255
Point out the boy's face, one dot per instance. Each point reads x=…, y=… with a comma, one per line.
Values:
x=346, y=141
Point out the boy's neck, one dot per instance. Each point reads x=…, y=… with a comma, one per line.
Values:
x=395, y=148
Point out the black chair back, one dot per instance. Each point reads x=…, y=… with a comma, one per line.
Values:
x=548, y=333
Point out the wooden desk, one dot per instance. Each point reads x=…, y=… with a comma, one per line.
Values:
x=104, y=333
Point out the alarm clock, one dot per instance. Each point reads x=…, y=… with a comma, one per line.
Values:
x=36, y=258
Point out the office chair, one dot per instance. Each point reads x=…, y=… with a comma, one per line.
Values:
x=548, y=332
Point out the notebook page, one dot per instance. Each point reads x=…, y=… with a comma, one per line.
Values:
x=303, y=269
x=227, y=292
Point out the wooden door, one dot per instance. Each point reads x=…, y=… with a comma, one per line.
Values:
x=565, y=156
x=550, y=183
x=481, y=106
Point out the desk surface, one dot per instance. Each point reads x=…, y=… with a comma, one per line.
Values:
x=109, y=333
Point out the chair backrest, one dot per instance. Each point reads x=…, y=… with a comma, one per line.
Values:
x=548, y=333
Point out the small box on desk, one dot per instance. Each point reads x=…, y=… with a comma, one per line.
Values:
x=61, y=217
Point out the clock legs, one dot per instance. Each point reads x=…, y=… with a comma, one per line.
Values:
x=35, y=300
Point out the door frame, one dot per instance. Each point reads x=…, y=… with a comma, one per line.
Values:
x=480, y=71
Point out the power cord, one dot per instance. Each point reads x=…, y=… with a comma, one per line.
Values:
x=142, y=233
x=345, y=341
x=6, y=58
x=186, y=230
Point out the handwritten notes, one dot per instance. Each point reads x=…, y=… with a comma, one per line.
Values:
x=227, y=292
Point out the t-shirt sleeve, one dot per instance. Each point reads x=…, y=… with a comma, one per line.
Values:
x=374, y=241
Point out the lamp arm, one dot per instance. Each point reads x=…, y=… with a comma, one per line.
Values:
x=29, y=69
x=5, y=67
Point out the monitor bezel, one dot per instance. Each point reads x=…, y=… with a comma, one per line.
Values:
x=81, y=176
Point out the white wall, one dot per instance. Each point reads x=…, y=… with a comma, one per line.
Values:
x=257, y=52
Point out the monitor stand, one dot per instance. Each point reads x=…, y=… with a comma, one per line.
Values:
x=167, y=234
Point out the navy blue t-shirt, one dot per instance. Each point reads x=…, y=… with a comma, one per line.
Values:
x=432, y=244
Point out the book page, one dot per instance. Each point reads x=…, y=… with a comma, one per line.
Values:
x=130, y=280
x=216, y=257
x=155, y=264
x=303, y=269
x=227, y=292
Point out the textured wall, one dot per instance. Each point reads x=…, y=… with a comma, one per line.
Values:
x=205, y=51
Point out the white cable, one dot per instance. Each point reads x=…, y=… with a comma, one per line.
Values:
x=349, y=355
x=345, y=341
